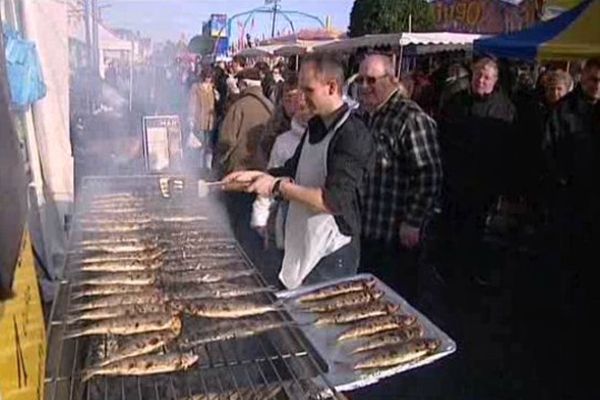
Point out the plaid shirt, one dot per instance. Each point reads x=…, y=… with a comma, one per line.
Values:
x=407, y=177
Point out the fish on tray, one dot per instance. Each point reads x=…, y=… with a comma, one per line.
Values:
x=357, y=313
x=232, y=308
x=337, y=289
x=144, y=365
x=144, y=255
x=396, y=355
x=137, y=345
x=203, y=264
x=128, y=325
x=259, y=392
x=393, y=337
x=378, y=324
x=120, y=266
x=343, y=301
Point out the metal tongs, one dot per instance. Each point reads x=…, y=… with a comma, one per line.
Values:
x=205, y=187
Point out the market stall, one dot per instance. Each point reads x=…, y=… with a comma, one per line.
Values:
x=572, y=35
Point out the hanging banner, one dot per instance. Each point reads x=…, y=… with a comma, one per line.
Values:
x=485, y=16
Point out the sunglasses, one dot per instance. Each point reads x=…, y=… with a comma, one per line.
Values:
x=370, y=80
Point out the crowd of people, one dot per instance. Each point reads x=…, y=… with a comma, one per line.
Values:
x=404, y=180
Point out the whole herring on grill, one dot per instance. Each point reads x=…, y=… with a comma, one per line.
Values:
x=236, y=329
x=343, y=301
x=357, y=313
x=128, y=325
x=233, y=308
x=262, y=392
x=205, y=276
x=150, y=296
x=137, y=345
x=131, y=310
x=378, y=324
x=118, y=278
x=396, y=336
x=337, y=289
x=92, y=290
x=396, y=355
x=139, y=256
x=202, y=264
x=221, y=290
x=145, y=365
x=114, y=248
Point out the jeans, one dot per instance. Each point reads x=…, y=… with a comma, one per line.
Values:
x=340, y=264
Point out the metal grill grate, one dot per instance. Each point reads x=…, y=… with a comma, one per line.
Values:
x=232, y=369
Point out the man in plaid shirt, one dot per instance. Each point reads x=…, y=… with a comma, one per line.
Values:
x=400, y=192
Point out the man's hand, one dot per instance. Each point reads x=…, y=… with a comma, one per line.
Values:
x=262, y=185
x=240, y=181
x=409, y=235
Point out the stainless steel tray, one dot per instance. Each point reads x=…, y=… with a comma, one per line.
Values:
x=339, y=360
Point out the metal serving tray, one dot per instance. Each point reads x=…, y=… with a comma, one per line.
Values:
x=323, y=337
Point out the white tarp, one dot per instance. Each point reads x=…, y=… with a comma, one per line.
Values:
x=400, y=39
x=45, y=23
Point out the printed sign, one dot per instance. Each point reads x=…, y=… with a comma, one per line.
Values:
x=162, y=143
x=218, y=25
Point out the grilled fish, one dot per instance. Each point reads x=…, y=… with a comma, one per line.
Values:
x=233, y=308
x=396, y=355
x=119, y=278
x=205, y=276
x=183, y=218
x=120, y=266
x=114, y=248
x=131, y=310
x=221, y=290
x=236, y=329
x=144, y=365
x=114, y=240
x=144, y=343
x=357, y=313
x=263, y=392
x=122, y=228
x=378, y=324
x=106, y=290
x=145, y=255
x=229, y=264
x=337, y=289
x=128, y=325
x=150, y=296
x=343, y=301
x=396, y=336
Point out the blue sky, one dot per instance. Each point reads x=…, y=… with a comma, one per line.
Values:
x=168, y=19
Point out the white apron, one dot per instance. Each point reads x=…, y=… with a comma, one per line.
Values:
x=310, y=235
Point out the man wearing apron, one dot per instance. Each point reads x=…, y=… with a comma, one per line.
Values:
x=322, y=181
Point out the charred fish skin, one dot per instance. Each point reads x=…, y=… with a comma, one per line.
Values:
x=234, y=330
x=105, y=290
x=138, y=345
x=152, y=296
x=117, y=278
x=337, y=289
x=128, y=325
x=223, y=309
x=144, y=365
x=344, y=301
x=396, y=355
x=220, y=290
x=132, y=310
x=393, y=337
x=378, y=324
x=357, y=313
x=205, y=276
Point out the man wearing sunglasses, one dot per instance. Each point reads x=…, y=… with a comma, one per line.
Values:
x=322, y=181
x=400, y=192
